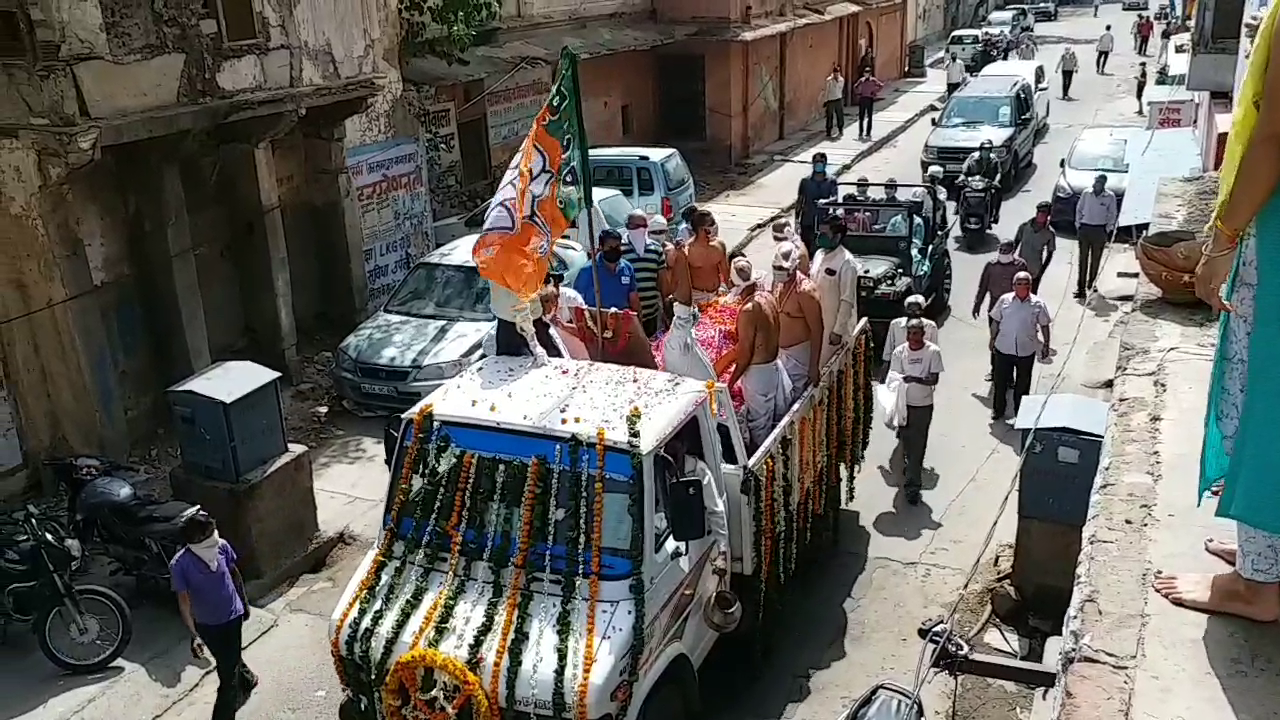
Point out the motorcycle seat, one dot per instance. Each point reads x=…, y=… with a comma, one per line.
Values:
x=161, y=513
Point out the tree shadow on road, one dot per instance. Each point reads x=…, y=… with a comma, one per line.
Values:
x=1245, y=657
x=806, y=636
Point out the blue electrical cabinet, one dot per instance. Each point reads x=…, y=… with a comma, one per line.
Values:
x=229, y=419
x=1063, y=436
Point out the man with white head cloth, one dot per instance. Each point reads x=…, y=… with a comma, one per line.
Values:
x=765, y=385
x=783, y=233
x=834, y=274
x=897, y=334
x=800, y=333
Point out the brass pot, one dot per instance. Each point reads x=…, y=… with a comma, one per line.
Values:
x=723, y=611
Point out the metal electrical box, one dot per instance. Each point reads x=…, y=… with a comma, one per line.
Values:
x=229, y=419
x=1061, y=463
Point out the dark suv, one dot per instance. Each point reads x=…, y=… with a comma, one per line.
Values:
x=999, y=109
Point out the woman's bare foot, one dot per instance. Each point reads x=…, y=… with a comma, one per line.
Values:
x=1224, y=551
x=1225, y=594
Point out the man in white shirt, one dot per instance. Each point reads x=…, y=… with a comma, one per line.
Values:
x=514, y=318
x=1019, y=333
x=956, y=73
x=1096, y=215
x=1106, y=43
x=684, y=449
x=833, y=101
x=897, y=334
x=919, y=362
x=835, y=273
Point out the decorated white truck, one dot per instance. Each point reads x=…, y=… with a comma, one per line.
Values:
x=529, y=539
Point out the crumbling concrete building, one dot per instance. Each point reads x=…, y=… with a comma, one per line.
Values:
x=171, y=192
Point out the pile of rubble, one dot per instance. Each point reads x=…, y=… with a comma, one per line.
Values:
x=309, y=401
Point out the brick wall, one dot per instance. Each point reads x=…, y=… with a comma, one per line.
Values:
x=611, y=83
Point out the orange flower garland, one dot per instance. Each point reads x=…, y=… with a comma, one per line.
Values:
x=405, y=679
x=711, y=393
x=388, y=536
x=597, y=531
x=767, y=530
x=517, y=578
x=805, y=509
x=455, y=547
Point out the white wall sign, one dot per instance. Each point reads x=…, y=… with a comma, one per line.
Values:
x=1166, y=114
x=440, y=135
x=511, y=108
x=391, y=196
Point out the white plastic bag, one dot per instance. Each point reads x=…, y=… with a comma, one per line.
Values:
x=891, y=397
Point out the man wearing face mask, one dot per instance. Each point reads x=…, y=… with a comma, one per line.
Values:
x=996, y=280
x=919, y=362
x=681, y=353
x=817, y=186
x=783, y=235
x=1035, y=242
x=799, y=320
x=984, y=163
x=647, y=259
x=862, y=189
x=897, y=334
x=834, y=274
x=1019, y=332
x=610, y=282
x=766, y=389
x=934, y=177
x=707, y=259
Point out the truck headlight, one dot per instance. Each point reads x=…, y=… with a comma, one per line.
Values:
x=441, y=371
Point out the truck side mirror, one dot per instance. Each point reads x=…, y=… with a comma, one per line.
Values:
x=390, y=438
x=1062, y=163
x=685, y=509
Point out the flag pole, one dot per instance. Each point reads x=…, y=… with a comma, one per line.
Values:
x=569, y=63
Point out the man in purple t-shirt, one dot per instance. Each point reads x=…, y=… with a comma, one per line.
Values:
x=212, y=603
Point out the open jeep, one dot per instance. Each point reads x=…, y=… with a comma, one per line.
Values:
x=901, y=249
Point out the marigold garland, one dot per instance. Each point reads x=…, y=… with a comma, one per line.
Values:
x=455, y=547
x=639, y=622
x=711, y=394
x=517, y=578
x=456, y=583
x=569, y=584
x=593, y=597
x=499, y=563
x=361, y=596
x=544, y=608
x=405, y=683
x=767, y=531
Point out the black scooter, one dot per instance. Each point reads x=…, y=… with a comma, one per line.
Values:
x=80, y=628
x=973, y=208
x=106, y=511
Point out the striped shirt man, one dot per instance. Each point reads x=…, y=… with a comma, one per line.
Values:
x=647, y=260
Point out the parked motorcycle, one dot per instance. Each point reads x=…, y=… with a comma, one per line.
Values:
x=886, y=701
x=974, y=210
x=80, y=628
x=106, y=510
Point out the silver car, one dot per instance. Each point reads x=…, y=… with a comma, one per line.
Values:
x=437, y=322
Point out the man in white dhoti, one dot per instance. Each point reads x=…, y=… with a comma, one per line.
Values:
x=800, y=332
x=834, y=273
x=681, y=353
x=766, y=388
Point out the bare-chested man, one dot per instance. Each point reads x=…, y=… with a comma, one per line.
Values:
x=765, y=385
x=708, y=259
x=681, y=353
x=799, y=319
x=783, y=233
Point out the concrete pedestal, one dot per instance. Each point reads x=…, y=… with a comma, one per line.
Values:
x=268, y=516
x=1044, y=566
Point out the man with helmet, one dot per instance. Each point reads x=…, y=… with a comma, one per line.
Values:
x=983, y=163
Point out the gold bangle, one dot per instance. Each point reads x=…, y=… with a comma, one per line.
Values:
x=1207, y=252
x=1234, y=235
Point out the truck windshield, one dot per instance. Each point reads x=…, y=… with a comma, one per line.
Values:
x=979, y=110
x=491, y=525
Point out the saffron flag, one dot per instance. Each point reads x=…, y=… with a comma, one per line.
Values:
x=541, y=193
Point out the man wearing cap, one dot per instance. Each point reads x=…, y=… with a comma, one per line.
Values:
x=647, y=258
x=815, y=187
x=1019, y=332
x=799, y=319
x=835, y=277
x=897, y=334
x=995, y=281
x=783, y=235
x=766, y=388
x=1035, y=242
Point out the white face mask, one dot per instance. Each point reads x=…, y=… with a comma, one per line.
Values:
x=1005, y=257
x=638, y=235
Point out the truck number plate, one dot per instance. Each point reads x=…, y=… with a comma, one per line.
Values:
x=954, y=168
x=377, y=390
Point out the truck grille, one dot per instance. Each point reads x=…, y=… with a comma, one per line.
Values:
x=373, y=372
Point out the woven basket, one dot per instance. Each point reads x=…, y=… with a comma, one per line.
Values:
x=1169, y=260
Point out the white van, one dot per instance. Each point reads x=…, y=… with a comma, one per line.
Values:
x=1034, y=73
x=965, y=43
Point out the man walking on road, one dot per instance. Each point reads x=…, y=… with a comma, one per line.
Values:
x=1068, y=63
x=833, y=100
x=866, y=90
x=1096, y=216
x=996, y=280
x=1035, y=242
x=1135, y=31
x=919, y=362
x=1106, y=43
x=1146, y=28
x=956, y=73
x=817, y=186
x=1096, y=4
x=1019, y=332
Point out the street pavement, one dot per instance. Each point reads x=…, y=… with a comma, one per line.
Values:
x=852, y=622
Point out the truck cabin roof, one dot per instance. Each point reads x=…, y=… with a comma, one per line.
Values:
x=564, y=398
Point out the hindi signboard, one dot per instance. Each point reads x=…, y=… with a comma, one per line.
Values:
x=1168, y=114
x=511, y=107
x=391, y=196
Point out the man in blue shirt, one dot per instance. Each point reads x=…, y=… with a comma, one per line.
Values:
x=616, y=278
x=813, y=188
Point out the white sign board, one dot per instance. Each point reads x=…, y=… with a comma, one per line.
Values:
x=392, y=199
x=1168, y=114
x=511, y=107
x=440, y=135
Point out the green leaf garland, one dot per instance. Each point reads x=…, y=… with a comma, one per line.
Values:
x=507, y=480
x=574, y=543
x=483, y=468
x=636, y=510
